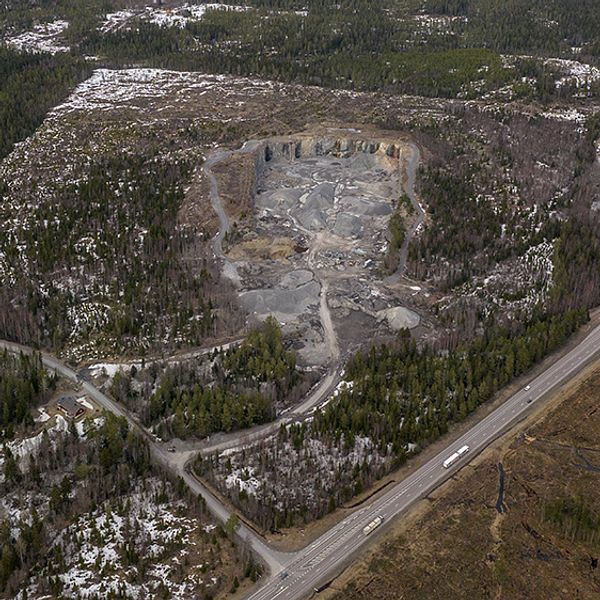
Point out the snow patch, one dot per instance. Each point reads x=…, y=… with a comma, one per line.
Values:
x=45, y=37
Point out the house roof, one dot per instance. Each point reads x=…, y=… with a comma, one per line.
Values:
x=70, y=405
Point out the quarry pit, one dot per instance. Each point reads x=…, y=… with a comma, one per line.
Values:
x=313, y=255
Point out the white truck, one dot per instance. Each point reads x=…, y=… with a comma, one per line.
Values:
x=374, y=524
x=455, y=456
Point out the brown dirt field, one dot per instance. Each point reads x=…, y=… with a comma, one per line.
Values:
x=263, y=248
x=457, y=545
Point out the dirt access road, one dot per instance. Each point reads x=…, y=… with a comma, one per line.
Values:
x=326, y=386
x=412, y=164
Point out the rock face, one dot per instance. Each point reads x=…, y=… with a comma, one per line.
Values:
x=308, y=146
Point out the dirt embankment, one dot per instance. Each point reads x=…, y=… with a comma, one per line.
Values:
x=236, y=178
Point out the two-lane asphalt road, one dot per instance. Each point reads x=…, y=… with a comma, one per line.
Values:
x=324, y=557
x=172, y=462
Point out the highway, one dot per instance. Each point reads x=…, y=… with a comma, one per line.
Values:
x=296, y=575
x=317, y=563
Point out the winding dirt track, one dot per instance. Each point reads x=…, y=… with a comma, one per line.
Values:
x=409, y=188
x=332, y=378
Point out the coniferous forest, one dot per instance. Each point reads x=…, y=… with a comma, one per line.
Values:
x=24, y=384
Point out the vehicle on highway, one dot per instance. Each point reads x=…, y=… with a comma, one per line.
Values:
x=527, y=388
x=455, y=456
x=374, y=524
x=284, y=575
x=529, y=400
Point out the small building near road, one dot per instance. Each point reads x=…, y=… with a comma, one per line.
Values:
x=70, y=407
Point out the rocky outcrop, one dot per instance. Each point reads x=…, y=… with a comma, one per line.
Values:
x=305, y=146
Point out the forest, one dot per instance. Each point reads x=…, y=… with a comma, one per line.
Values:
x=365, y=45
x=107, y=465
x=358, y=44
x=574, y=518
x=73, y=480
x=24, y=384
x=233, y=389
x=527, y=26
x=399, y=398
x=348, y=51
x=115, y=230
x=357, y=47
x=467, y=237
x=404, y=395
x=31, y=84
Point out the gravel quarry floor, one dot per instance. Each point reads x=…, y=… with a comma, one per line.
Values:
x=313, y=259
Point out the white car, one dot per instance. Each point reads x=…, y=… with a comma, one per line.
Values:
x=527, y=388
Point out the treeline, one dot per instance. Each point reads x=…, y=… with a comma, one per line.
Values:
x=231, y=390
x=24, y=384
x=550, y=27
x=31, y=84
x=360, y=48
x=361, y=45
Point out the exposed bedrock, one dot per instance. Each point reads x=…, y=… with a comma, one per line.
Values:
x=306, y=146
x=327, y=197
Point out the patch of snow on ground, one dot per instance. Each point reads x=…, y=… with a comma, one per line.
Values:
x=243, y=479
x=578, y=74
x=567, y=114
x=87, y=425
x=45, y=37
x=23, y=448
x=42, y=417
x=107, y=369
x=93, y=546
x=163, y=17
x=85, y=403
x=108, y=89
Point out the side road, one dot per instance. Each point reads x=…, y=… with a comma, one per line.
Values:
x=173, y=462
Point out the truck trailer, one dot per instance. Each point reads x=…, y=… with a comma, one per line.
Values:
x=374, y=524
x=455, y=456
